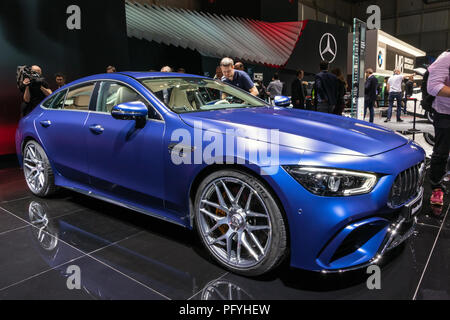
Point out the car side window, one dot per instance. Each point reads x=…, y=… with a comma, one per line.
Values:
x=56, y=101
x=79, y=97
x=49, y=102
x=59, y=100
x=113, y=93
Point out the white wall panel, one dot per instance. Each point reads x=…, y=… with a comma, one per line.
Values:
x=409, y=5
x=344, y=10
x=409, y=25
x=388, y=26
x=308, y=13
x=331, y=20
x=328, y=5
x=322, y=17
x=387, y=7
x=435, y=21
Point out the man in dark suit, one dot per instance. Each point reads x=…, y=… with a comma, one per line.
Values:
x=299, y=91
x=326, y=89
x=370, y=95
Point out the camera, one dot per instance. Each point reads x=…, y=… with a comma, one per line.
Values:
x=24, y=72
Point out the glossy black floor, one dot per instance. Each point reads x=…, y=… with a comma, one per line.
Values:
x=125, y=255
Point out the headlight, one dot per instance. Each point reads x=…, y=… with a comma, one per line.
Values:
x=333, y=182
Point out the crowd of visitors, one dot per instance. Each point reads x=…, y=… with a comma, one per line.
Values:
x=325, y=93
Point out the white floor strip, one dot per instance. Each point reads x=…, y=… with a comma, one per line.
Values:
x=88, y=255
x=225, y=274
x=429, y=257
x=67, y=262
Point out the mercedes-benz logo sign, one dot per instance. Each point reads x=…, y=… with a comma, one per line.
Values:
x=328, y=47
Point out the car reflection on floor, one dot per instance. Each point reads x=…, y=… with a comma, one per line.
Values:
x=46, y=235
x=49, y=235
x=125, y=255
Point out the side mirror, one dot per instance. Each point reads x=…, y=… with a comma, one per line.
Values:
x=135, y=110
x=282, y=101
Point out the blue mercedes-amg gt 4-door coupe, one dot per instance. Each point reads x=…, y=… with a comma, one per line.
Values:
x=260, y=184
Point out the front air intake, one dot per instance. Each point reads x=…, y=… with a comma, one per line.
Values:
x=356, y=239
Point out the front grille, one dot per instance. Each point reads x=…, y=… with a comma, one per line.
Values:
x=407, y=185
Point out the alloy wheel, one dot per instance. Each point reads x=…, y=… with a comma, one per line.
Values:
x=47, y=238
x=224, y=290
x=234, y=222
x=34, y=168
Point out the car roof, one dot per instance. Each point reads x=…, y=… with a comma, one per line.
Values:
x=144, y=75
x=134, y=75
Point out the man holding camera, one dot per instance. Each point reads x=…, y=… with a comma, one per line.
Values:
x=35, y=90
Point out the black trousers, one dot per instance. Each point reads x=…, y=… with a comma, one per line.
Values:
x=298, y=106
x=325, y=107
x=369, y=104
x=441, y=149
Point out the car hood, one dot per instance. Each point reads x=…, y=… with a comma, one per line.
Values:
x=305, y=130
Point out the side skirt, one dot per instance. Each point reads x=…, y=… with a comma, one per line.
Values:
x=125, y=205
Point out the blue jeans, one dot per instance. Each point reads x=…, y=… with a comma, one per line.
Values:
x=369, y=104
x=395, y=96
x=405, y=104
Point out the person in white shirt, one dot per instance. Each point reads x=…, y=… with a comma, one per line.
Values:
x=394, y=87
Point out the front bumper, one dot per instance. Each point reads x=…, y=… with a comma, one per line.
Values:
x=318, y=225
x=390, y=236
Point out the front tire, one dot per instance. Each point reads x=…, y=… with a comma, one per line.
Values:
x=37, y=170
x=240, y=223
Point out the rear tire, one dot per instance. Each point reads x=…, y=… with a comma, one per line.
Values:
x=429, y=138
x=38, y=171
x=430, y=116
x=240, y=223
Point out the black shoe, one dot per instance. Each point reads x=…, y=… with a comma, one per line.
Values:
x=387, y=120
x=400, y=120
x=436, y=210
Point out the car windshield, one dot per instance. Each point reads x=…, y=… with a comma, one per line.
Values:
x=183, y=95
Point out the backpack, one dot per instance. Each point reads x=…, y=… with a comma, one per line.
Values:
x=427, y=99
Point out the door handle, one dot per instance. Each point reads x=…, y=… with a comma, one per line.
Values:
x=97, y=129
x=46, y=123
x=180, y=148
